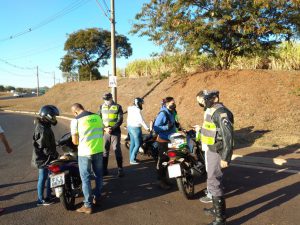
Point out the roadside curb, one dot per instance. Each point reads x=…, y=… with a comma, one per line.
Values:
x=239, y=159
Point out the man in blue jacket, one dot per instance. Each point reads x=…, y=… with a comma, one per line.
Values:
x=164, y=126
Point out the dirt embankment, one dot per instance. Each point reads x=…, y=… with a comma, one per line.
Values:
x=266, y=104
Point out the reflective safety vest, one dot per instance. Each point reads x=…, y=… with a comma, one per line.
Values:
x=209, y=128
x=90, y=132
x=109, y=115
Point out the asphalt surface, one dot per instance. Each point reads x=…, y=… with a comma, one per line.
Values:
x=254, y=196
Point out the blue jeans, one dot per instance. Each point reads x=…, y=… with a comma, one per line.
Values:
x=86, y=163
x=42, y=179
x=135, y=134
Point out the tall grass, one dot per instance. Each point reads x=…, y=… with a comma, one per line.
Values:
x=285, y=57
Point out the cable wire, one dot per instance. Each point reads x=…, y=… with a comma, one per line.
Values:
x=61, y=13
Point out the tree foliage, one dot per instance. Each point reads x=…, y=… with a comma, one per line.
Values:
x=89, y=49
x=223, y=29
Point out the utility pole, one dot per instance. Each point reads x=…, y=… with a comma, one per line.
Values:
x=38, y=83
x=54, y=78
x=113, y=46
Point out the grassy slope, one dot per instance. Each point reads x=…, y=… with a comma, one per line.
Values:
x=265, y=103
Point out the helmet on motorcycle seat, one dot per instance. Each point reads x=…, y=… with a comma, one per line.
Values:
x=49, y=113
x=107, y=96
x=139, y=102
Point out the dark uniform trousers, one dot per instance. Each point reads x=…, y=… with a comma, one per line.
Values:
x=112, y=141
x=214, y=174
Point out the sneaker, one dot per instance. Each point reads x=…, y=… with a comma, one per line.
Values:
x=120, y=172
x=133, y=163
x=51, y=198
x=85, y=210
x=206, y=199
x=44, y=203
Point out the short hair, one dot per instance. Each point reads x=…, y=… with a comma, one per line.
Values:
x=169, y=99
x=77, y=106
x=200, y=94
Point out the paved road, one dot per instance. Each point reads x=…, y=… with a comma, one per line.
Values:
x=254, y=196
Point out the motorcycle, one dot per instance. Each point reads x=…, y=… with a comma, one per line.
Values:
x=64, y=173
x=184, y=163
x=149, y=145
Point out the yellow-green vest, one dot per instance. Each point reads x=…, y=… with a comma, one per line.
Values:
x=109, y=115
x=209, y=128
x=90, y=132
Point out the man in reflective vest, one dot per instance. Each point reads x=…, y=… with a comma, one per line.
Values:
x=87, y=133
x=112, y=116
x=217, y=141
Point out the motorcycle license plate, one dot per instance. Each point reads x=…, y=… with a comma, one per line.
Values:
x=174, y=170
x=57, y=180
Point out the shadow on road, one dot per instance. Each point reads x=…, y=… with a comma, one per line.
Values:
x=271, y=200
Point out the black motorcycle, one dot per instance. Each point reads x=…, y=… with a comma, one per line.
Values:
x=149, y=145
x=64, y=173
x=185, y=161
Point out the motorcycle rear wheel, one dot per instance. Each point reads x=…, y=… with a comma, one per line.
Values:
x=186, y=185
x=67, y=199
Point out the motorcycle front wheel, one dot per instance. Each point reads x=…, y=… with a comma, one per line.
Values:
x=67, y=199
x=186, y=185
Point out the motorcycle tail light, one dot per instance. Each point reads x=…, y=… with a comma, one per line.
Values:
x=172, y=154
x=54, y=168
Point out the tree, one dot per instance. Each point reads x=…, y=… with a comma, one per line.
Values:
x=89, y=49
x=2, y=88
x=223, y=29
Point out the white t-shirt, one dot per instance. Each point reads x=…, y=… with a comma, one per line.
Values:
x=74, y=126
x=135, y=118
x=1, y=130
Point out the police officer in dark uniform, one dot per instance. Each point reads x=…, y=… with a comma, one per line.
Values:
x=112, y=117
x=217, y=134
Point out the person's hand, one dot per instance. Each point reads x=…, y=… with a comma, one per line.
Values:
x=224, y=164
x=9, y=150
x=197, y=128
x=108, y=130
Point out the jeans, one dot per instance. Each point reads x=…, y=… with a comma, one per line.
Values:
x=135, y=134
x=86, y=163
x=42, y=179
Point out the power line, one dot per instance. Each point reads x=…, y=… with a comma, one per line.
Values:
x=35, y=53
x=102, y=9
x=15, y=66
x=105, y=4
x=61, y=13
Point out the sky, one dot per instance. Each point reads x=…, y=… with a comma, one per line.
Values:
x=50, y=21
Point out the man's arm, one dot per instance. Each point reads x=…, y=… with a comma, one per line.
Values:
x=5, y=142
x=74, y=132
x=75, y=139
x=120, y=119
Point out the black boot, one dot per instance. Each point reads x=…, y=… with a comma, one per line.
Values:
x=219, y=208
x=120, y=167
x=105, y=163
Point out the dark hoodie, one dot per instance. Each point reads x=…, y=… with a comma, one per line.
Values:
x=44, y=147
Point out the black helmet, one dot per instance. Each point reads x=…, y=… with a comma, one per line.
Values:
x=139, y=102
x=49, y=113
x=107, y=96
x=207, y=95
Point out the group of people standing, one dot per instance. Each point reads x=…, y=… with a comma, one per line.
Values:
x=97, y=133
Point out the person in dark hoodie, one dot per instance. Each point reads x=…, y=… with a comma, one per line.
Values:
x=44, y=150
x=164, y=126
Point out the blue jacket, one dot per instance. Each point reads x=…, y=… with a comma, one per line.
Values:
x=161, y=126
